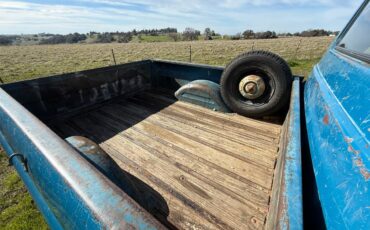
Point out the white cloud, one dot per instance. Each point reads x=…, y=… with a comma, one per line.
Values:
x=225, y=16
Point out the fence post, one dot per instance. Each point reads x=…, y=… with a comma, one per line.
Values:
x=190, y=54
x=114, y=58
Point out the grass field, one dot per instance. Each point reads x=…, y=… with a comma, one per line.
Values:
x=17, y=210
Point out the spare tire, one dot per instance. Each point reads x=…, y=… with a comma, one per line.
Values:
x=256, y=84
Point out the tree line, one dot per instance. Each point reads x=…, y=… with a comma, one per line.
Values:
x=250, y=34
x=189, y=34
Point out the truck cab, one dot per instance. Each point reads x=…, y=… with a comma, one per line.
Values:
x=337, y=113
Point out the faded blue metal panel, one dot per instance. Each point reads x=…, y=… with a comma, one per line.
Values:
x=292, y=210
x=41, y=203
x=337, y=105
x=67, y=93
x=204, y=93
x=186, y=72
x=78, y=195
x=348, y=80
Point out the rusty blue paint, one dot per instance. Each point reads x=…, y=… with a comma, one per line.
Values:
x=186, y=71
x=337, y=109
x=340, y=157
x=291, y=216
x=35, y=193
x=70, y=192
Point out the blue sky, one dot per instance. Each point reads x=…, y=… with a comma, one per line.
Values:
x=224, y=16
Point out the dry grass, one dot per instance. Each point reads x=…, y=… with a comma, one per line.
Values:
x=24, y=62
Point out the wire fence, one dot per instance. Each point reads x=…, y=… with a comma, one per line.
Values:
x=222, y=52
x=24, y=62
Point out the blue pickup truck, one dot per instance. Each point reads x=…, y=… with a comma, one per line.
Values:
x=158, y=144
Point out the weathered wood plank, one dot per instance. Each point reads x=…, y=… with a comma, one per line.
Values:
x=249, y=171
x=192, y=164
x=260, y=156
x=265, y=127
x=213, y=170
x=207, y=200
x=245, y=138
x=230, y=122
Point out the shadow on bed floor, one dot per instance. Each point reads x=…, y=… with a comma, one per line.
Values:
x=108, y=121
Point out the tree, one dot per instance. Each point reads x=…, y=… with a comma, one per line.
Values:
x=124, y=37
x=5, y=40
x=266, y=35
x=207, y=34
x=75, y=38
x=248, y=34
x=191, y=34
x=314, y=33
x=174, y=36
x=237, y=36
x=320, y=32
x=55, y=39
x=59, y=39
x=104, y=38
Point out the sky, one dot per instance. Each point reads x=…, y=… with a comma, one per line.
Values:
x=223, y=16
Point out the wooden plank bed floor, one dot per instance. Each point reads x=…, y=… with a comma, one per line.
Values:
x=212, y=170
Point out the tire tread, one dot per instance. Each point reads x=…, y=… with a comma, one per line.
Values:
x=281, y=98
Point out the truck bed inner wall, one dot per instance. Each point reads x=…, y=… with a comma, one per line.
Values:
x=51, y=97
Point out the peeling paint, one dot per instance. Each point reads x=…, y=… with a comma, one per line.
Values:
x=348, y=140
x=325, y=120
x=365, y=173
x=352, y=150
x=359, y=163
x=342, y=177
x=363, y=170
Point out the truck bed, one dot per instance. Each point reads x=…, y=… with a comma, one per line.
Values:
x=211, y=170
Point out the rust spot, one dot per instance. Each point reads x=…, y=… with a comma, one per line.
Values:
x=348, y=140
x=352, y=150
x=367, y=146
x=326, y=119
x=359, y=163
x=365, y=173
